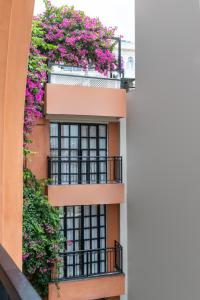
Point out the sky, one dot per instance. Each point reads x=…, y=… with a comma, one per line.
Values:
x=118, y=13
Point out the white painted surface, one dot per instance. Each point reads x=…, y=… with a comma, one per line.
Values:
x=164, y=153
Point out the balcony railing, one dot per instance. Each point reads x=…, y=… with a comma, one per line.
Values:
x=89, y=263
x=77, y=76
x=13, y=284
x=85, y=170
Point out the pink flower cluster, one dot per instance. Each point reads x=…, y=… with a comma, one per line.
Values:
x=69, y=37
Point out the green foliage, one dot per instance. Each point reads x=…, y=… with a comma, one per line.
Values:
x=42, y=240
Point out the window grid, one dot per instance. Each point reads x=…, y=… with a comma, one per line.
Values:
x=81, y=150
x=76, y=240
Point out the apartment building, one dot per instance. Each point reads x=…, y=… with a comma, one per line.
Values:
x=81, y=148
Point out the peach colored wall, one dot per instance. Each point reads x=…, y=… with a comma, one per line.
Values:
x=15, y=33
x=85, y=101
x=87, y=194
x=37, y=161
x=88, y=289
x=113, y=220
x=113, y=138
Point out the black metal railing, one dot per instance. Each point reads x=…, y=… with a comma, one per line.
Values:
x=13, y=284
x=89, y=263
x=85, y=170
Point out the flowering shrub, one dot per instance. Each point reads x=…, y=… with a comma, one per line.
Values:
x=42, y=241
x=64, y=35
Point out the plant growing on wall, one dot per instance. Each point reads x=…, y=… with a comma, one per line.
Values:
x=64, y=35
x=42, y=240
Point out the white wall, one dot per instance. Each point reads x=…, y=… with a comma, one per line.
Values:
x=164, y=153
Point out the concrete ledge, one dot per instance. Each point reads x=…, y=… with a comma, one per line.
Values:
x=84, y=101
x=88, y=289
x=87, y=194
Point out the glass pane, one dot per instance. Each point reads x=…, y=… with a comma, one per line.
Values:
x=87, y=245
x=94, y=209
x=92, y=131
x=64, y=130
x=94, y=244
x=93, y=178
x=64, y=167
x=64, y=179
x=74, y=179
x=102, y=167
x=94, y=221
x=74, y=167
x=102, y=130
x=65, y=153
x=102, y=220
x=74, y=154
x=93, y=144
x=102, y=243
x=54, y=153
x=103, y=178
x=93, y=167
x=54, y=143
x=102, y=143
x=54, y=179
x=93, y=154
x=84, y=153
x=77, y=246
x=84, y=130
x=69, y=236
x=86, y=210
x=83, y=167
x=65, y=143
x=53, y=129
x=54, y=167
x=77, y=223
x=102, y=231
x=77, y=234
x=102, y=153
x=73, y=130
x=74, y=143
x=86, y=234
x=69, y=223
x=102, y=209
x=84, y=143
x=77, y=211
x=86, y=222
x=70, y=211
x=94, y=233
x=83, y=179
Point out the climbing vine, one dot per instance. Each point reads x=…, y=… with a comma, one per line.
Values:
x=64, y=36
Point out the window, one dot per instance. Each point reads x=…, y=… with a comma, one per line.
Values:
x=79, y=153
x=130, y=63
x=84, y=228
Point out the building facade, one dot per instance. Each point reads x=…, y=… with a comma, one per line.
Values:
x=81, y=148
x=164, y=153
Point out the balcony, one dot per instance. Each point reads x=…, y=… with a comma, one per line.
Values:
x=73, y=91
x=89, y=274
x=76, y=76
x=85, y=180
x=85, y=170
x=89, y=263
